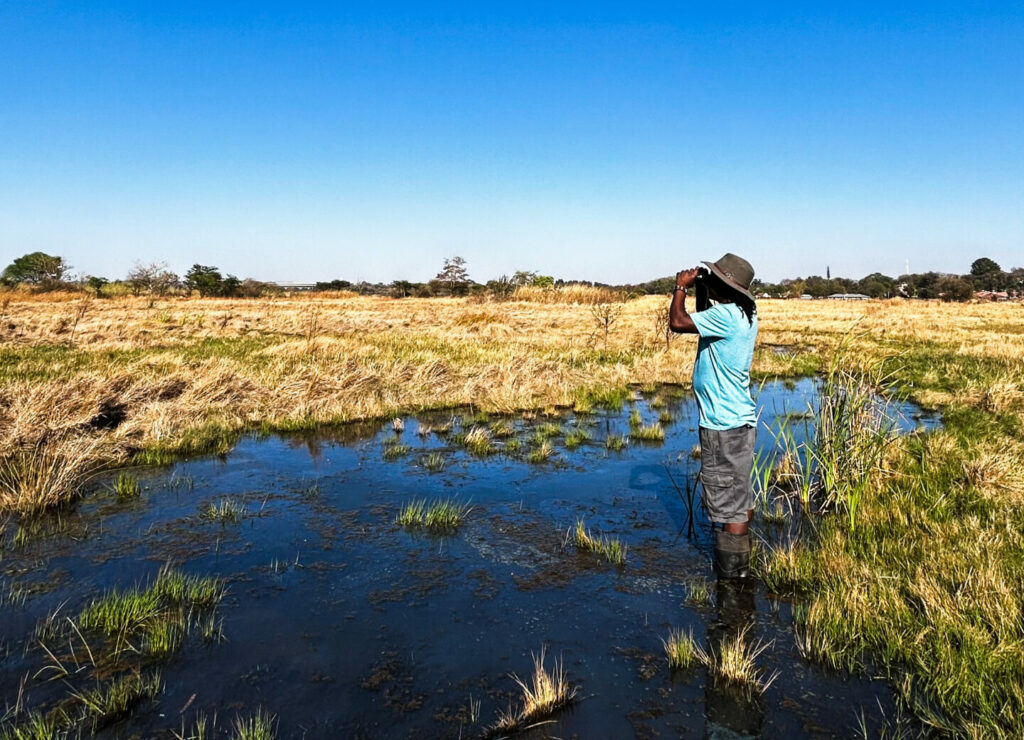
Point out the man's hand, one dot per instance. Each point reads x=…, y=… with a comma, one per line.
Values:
x=687, y=278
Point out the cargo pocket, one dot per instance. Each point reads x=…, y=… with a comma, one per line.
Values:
x=717, y=480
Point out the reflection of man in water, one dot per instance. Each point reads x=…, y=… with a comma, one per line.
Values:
x=721, y=382
x=731, y=712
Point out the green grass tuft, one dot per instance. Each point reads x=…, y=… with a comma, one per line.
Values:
x=608, y=548
x=225, y=511
x=478, y=442
x=395, y=451
x=575, y=437
x=115, y=700
x=652, y=433
x=442, y=515
x=681, y=649
x=127, y=487
x=615, y=442
x=261, y=726
x=541, y=453
x=434, y=462
x=698, y=593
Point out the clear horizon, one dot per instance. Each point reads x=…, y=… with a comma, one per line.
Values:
x=583, y=142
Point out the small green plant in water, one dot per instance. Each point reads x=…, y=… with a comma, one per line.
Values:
x=127, y=487
x=478, y=442
x=502, y=428
x=541, y=453
x=548, y=430
x=395, y=451
x=635, y=419
x=651, y=433
x=615, y=442
x=106, y=704
x=575, y=437
x=442, y=515
x=225, y=511
x=434, y=462
x=698, y=593
x=681, y=649
x=608, y=548
x=261, y=726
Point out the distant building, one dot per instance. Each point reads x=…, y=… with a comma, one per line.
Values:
x=992, y=295
x=295, y=287
x=848, y=297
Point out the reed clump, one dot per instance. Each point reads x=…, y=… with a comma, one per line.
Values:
x=542, y=695
x=607, y=548
x=681, y=649
x=734, y=663
x=440, y=516
x=126, y=486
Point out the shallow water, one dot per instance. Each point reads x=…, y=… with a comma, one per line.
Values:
x=345, y=625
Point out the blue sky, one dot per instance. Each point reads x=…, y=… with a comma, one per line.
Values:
x=301, y=141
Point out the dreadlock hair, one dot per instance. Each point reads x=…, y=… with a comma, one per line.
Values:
x=726, y=294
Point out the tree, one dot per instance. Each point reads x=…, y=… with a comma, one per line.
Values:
x=454, y=275
x=37, y=268
x=952, y=288
x=230, y=286
x=1015, y=279
x=401, y=288
x=984, y=266
x=153, y=277
x=502, y=288
x=334, y=285
x=96, y=284
x=523, y=277
x=207, y=280
x=987, y=275
x=543, y=281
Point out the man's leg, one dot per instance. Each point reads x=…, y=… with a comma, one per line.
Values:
x=732, y=544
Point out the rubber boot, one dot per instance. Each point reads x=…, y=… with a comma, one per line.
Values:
x=732, y=554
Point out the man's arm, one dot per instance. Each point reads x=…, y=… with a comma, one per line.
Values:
x=679, y=320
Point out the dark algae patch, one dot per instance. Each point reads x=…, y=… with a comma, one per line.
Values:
x=320, y=586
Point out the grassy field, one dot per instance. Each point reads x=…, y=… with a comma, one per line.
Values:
x=923, y=584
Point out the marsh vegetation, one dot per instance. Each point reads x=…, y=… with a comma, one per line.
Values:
x=897, y=552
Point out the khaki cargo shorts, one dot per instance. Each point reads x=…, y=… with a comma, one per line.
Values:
x=726, y=458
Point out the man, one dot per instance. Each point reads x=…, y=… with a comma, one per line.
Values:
x=721, y=382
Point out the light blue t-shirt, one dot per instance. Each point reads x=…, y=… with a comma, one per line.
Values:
x=721, y=374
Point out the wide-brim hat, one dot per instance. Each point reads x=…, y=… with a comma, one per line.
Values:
x=735, y=272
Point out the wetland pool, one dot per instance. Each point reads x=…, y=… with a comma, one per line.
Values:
x=345, y=625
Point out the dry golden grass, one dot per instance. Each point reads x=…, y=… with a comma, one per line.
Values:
x=542, y=696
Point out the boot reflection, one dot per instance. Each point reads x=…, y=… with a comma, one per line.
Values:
x=730, y=712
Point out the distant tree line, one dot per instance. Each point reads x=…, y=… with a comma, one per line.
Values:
x=985, y=275
x=43, y=272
